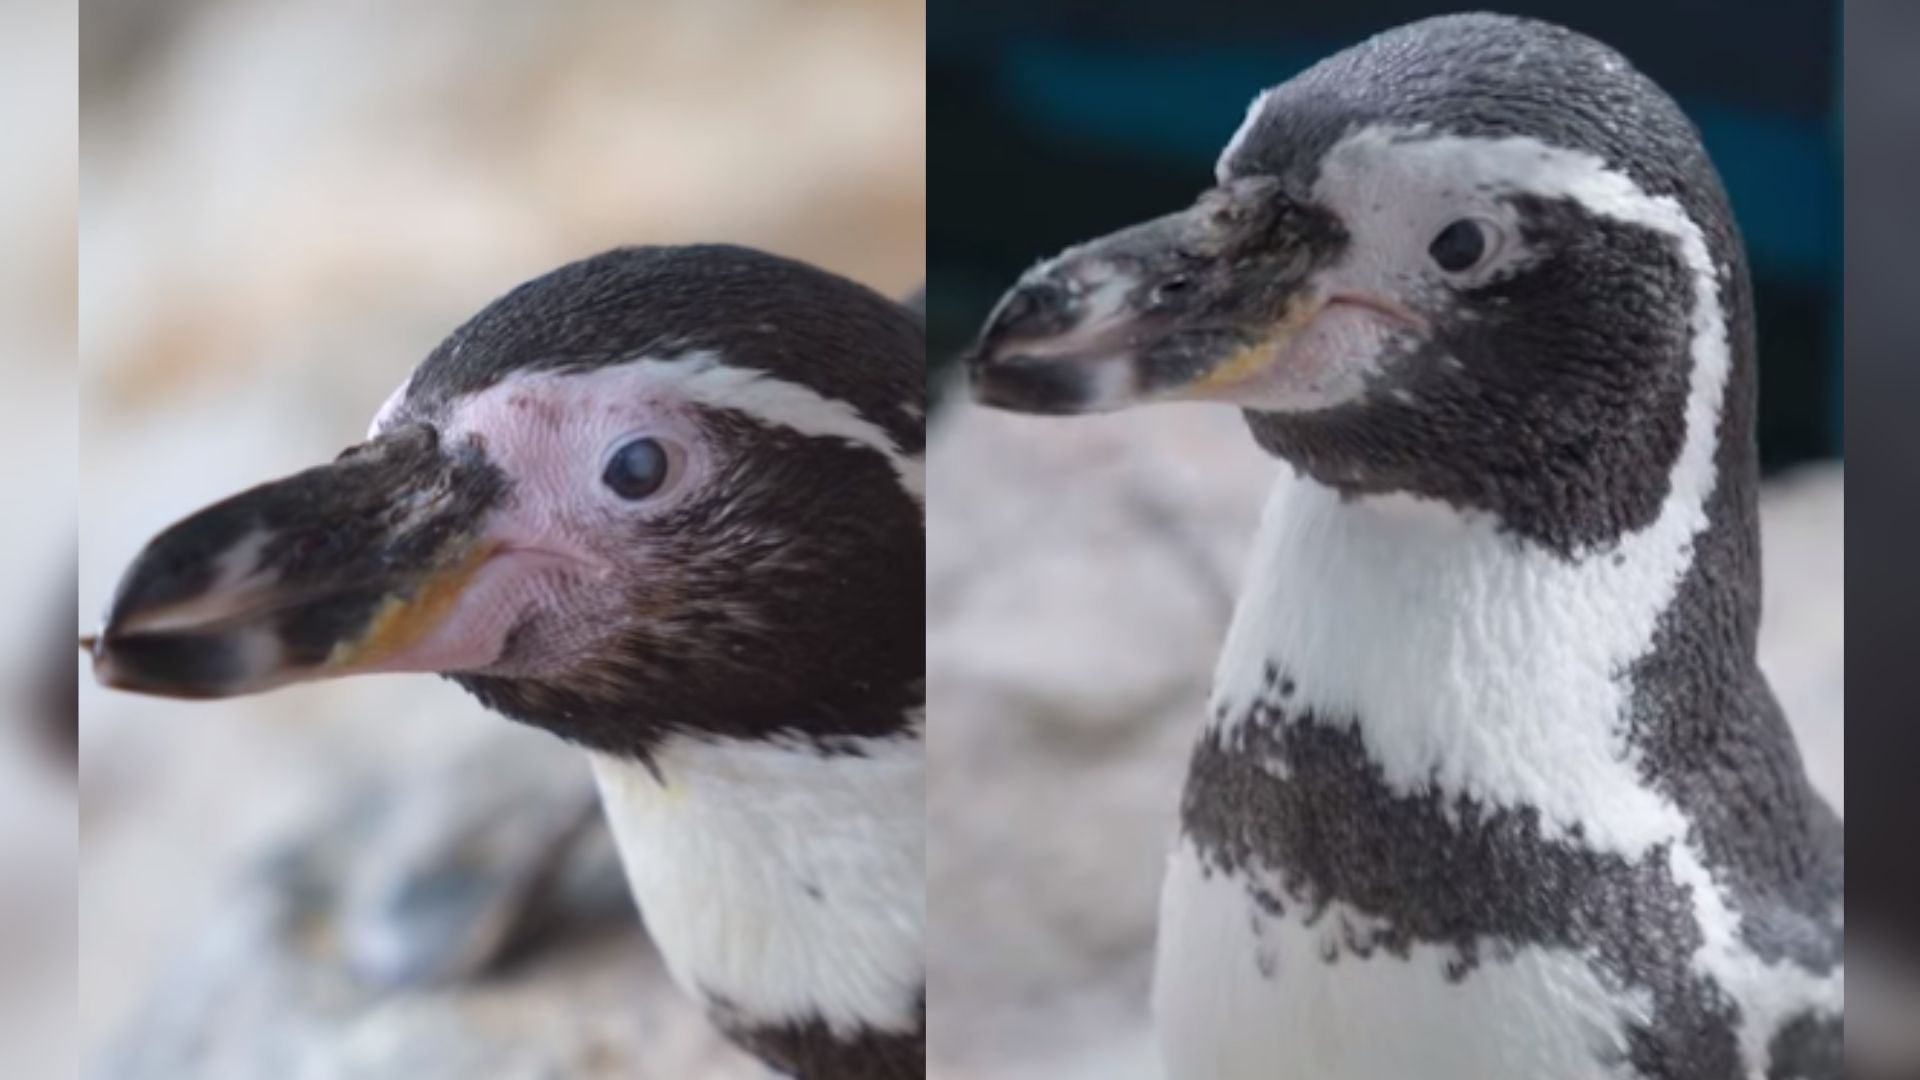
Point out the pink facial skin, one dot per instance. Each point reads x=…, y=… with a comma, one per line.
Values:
x=556, y=545
x=1330, y=359
x=1326, y=362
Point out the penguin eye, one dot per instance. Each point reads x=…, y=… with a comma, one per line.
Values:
x=636, y=470
x=1459, y=246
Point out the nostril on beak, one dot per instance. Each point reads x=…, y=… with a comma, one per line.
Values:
x=1171, y=290
x=1039, y=306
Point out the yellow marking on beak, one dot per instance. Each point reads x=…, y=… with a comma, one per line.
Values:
x=401, y=621
x=1249, y=360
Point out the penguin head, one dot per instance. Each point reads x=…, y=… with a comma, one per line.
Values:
x=1474, y=258
x=660, y=489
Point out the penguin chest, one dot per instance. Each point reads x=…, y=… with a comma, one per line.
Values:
x=1247, y=988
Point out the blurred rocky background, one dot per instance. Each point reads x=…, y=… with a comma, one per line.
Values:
x=283, y=205
x=37, y=802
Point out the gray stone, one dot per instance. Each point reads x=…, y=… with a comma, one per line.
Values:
x=494, y=920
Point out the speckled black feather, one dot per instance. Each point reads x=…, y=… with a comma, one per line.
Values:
x=1298, y=796
x=811, y=1050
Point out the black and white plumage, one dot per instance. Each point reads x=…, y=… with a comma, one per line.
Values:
x=1492, y=787
x=667, y=504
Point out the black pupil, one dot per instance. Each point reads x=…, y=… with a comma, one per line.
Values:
x=1458, y=246
x=637, y=469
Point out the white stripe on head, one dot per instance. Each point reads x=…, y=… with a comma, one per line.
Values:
x=389, y=409
x=1241, y=134
x=703, y=377
x=700, y=377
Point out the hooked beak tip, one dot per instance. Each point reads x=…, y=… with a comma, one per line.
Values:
x=1044, y=351
x=177, y=665
x=1040, y=387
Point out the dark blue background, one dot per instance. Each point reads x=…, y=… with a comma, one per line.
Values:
x=1055, y=121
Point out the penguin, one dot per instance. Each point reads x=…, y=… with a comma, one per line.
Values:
x=668, y=504
x=1490, y=785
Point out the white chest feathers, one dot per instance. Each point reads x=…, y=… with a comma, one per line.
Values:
x=1466, y=675
x=1473, y=662
x=780, y=882
x=1244, y=994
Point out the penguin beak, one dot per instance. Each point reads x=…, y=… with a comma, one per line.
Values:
x=331, y=571
x=1200, y=305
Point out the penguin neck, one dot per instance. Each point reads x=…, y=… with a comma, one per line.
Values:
x=783, y=880
x=1467, y=660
